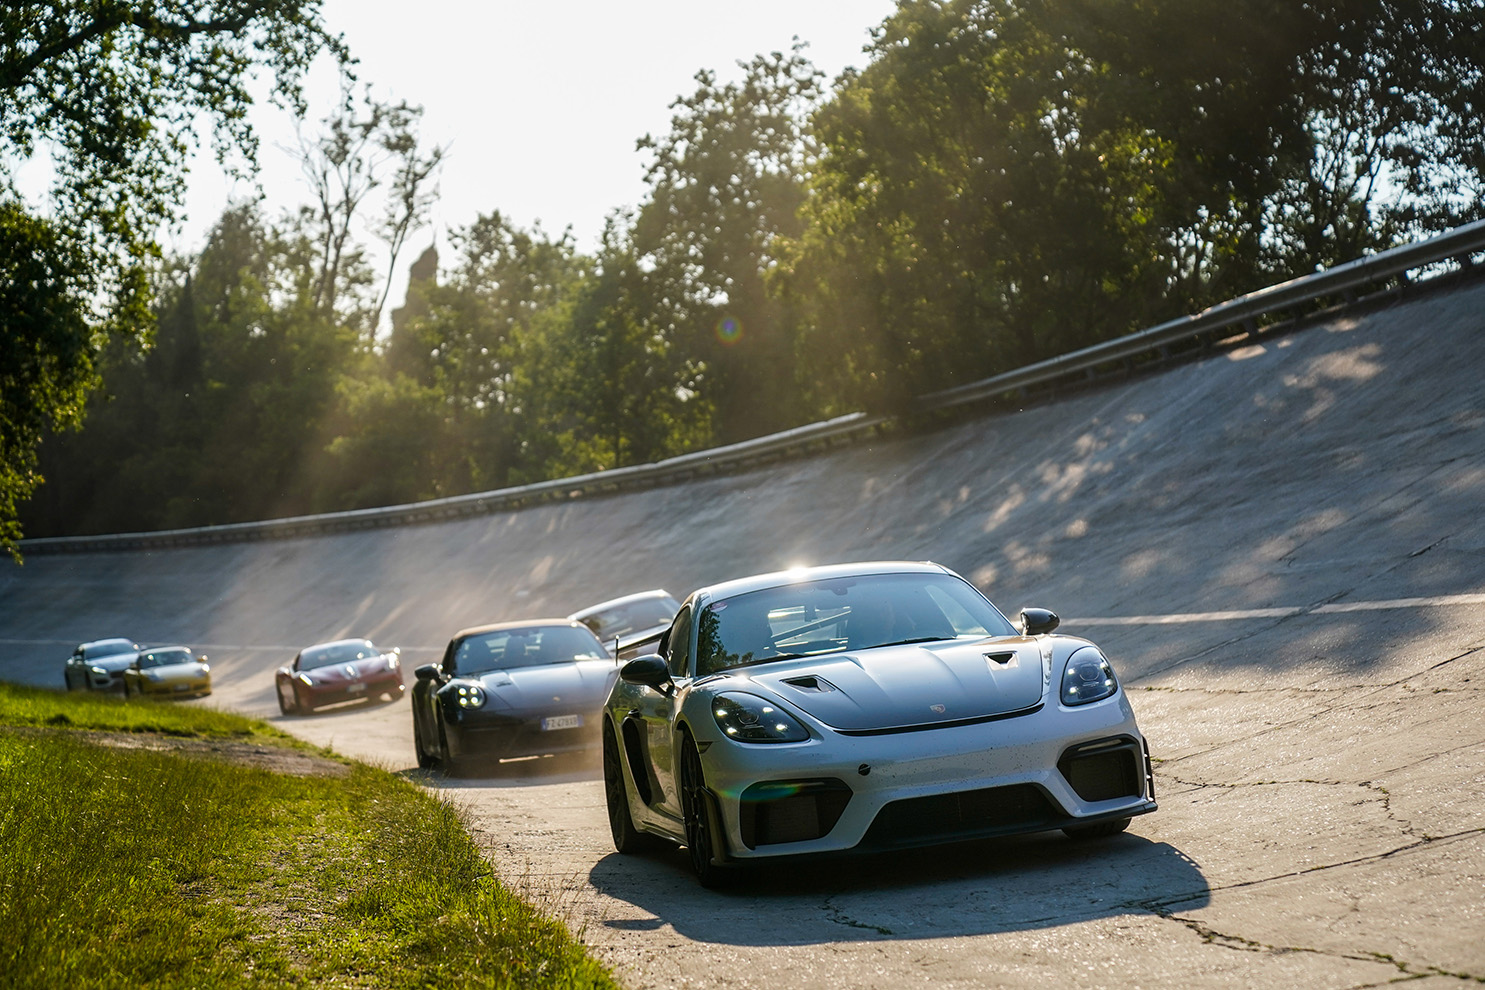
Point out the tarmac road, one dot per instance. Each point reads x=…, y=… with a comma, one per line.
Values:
x=1281, y=548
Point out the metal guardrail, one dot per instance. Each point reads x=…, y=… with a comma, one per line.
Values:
x=814, y=436
x=1458, y=244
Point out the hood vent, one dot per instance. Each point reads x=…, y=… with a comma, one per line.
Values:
x=811, y=682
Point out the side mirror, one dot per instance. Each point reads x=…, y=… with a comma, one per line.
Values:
x=649, y=670
x=1036, y=621
x=428, y=672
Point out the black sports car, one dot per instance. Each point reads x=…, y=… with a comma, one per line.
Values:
x=527, y=688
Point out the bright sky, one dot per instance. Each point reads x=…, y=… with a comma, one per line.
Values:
x=540, y=103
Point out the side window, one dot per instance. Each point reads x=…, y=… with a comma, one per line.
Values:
x=678, y=649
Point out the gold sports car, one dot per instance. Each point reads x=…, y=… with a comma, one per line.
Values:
x=168, y=671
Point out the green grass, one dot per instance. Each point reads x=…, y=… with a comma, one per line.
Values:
x=143, y=868
x=110, y=712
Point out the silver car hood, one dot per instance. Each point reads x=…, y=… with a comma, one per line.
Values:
x=580, y=685
x=913, y=685
x=114, y=662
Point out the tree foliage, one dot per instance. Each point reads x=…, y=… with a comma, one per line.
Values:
x=726, y=187
x=1010, y=179
x=114, y=96
x=1003, y=181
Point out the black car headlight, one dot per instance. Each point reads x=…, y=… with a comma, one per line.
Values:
x=1087, y=677
x=747, y=718
x=469, y=696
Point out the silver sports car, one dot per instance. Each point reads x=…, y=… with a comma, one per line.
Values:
x=630, y=626
x=864, y=707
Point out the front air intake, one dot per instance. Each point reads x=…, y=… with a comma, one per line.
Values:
x=776, y=811
x=1105, y=769
x=961, y=815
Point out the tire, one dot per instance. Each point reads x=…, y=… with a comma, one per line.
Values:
x=1101, y=830
x=628, y=839
x=697, y=814
x=287, y=707
x=426, y=760
x=301, y=703
x=451, y=767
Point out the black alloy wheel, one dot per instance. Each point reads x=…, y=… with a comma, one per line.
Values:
x=628, y=839
x=697, y=816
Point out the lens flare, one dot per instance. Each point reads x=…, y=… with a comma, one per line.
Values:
x=729, y=330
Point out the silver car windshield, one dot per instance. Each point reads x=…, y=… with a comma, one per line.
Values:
x=164, y=658
x=859, y=613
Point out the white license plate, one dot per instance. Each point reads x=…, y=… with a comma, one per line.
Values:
x=353, y=688
x=561, y=722
x=182, y=687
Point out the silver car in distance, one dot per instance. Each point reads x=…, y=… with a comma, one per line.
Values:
x=864, y=707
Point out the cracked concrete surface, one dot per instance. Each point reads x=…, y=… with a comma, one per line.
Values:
x=1320, y=752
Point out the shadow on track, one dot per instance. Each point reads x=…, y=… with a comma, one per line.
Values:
x=997, y=885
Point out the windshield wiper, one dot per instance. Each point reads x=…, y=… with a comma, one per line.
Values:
x=905, y=642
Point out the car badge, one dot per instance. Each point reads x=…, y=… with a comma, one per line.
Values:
x=940, y=709
x=350, y=670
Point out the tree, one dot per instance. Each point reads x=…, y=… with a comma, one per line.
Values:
x=1008, y=180
x=344, y=164
x=46, y=351
x=465, y=341
x=726, y=186
x=115, y=95
x=225, y=417
x=598, y=383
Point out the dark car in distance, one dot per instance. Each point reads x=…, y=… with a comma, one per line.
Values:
x=513, y=689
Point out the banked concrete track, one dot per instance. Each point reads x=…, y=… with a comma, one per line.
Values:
x=1281, y=546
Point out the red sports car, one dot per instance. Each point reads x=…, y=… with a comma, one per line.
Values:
x=345, y=670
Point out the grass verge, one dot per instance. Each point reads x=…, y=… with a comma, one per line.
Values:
x=153, y=868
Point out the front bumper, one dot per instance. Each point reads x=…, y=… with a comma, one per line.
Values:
x=498, y=736
x=1050, y=769
x=330, y=694
x=194, y=687
x=106, y=681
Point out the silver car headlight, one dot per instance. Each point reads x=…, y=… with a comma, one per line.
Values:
x=747, y=718
x=470, y=696
x=393, y=662
x=1087, y=677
